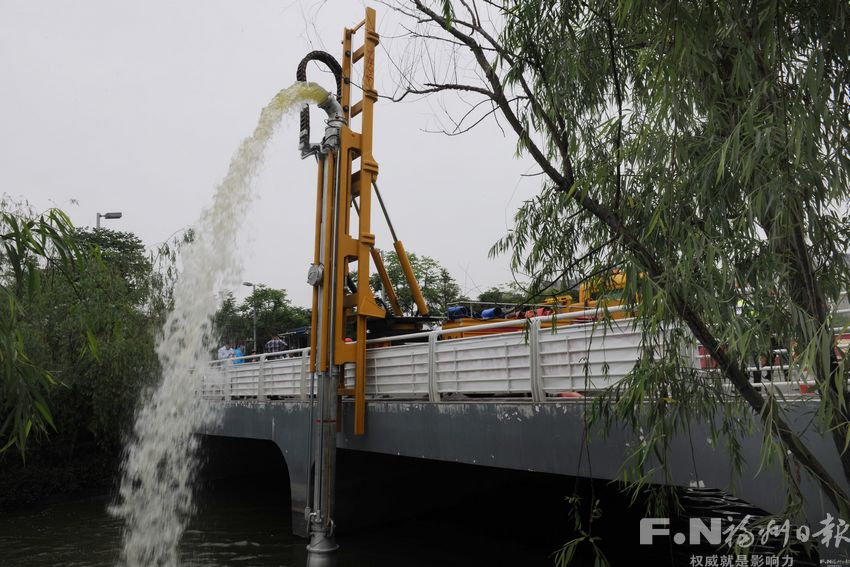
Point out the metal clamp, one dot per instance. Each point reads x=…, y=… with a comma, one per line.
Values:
x=334, y=124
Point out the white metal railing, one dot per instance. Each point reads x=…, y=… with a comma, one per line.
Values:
x=543, y=359
x=273, y=374
x=535, y=362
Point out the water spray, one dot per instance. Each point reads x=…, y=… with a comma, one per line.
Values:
x=160, y=461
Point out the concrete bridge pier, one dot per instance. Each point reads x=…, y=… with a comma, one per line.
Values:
x=287, y=425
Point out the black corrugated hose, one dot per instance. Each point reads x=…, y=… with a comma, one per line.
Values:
x=301, y=75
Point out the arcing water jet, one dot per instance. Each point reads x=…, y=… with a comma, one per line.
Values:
x=155, y=496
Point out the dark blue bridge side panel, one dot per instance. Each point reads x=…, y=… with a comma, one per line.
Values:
x=541, y=437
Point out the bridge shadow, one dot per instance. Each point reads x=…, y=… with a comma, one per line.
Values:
x=228, y=463
x=395, y=510
x=458, y=514
x=229, y=457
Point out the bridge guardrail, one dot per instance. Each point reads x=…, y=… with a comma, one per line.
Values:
x=531, y=363
x=536, y=363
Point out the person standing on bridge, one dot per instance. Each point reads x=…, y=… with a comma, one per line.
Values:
x=275, y=344
x=225, y=352
x=238, y=353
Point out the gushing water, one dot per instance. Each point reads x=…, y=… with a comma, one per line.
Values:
x=155, y=497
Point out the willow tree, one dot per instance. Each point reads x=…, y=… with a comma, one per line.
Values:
x=32, y=248
x=702, y=149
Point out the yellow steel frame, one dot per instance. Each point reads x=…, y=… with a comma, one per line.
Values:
x=354, y=239
x=357, y=184
x=350, y=307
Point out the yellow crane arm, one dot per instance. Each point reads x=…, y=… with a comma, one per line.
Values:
x=385, y=281
x=411, y=279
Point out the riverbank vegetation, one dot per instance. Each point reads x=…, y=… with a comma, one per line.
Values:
x=83, y=310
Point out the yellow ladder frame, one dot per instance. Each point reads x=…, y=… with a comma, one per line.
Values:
x=360, y=305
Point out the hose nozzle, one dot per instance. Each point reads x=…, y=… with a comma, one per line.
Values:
x=330, y=105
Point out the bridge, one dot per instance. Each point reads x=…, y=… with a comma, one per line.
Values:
x=516, y=400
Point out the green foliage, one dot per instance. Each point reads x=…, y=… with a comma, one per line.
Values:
x=34, y=250
x=509, y=294
x=275, y=315
x=584, y=534
x=97, y=333
x=438, y=286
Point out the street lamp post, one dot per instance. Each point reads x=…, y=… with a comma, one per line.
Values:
x=253, y=287
x=116, y=215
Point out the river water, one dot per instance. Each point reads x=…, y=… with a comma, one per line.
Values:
x=392, y=512
x=79, y=532
x=246, y=521
x=233, y=527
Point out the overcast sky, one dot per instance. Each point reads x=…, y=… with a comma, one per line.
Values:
x=138, y=106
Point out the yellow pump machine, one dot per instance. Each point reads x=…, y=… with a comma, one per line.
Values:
x=342, y=308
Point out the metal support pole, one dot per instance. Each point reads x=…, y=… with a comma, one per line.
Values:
x=261, y=378
x=321, y=551
x=254, y=293
x=433, y=389
x=538, y=393
x=335, y=249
